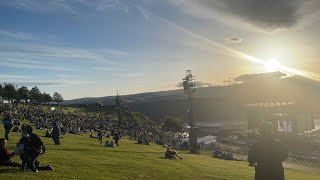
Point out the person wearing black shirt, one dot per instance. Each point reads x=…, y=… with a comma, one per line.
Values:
x=267, y=155
x=33, y=148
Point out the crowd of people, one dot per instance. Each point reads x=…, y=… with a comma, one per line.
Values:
x=57, y=122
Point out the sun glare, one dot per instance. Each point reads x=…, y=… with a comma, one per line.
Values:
x=272, y=65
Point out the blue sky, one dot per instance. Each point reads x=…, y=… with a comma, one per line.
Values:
x=84, y=48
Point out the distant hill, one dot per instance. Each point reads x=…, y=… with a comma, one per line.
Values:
x=221, y=104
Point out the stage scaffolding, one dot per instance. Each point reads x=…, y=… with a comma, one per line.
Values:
x=287, y=117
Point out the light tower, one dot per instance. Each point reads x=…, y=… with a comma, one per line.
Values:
x=190, y=89
x=118, y=106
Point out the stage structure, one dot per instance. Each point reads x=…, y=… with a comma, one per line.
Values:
x=287, y=117
x=190, y=89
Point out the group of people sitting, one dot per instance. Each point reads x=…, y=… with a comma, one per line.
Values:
x=30, y=147
x=109, y=144
x=226, y=156
x=143, y=141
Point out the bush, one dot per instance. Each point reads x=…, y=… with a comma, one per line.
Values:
x=173, y=124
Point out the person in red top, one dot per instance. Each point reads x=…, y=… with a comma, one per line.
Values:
x=5, y=156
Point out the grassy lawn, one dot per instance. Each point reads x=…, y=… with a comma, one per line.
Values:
x=79, y=157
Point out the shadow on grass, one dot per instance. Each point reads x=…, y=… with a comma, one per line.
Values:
x=167, y=158
x=74, y=150
x=8, y=170
x=138, y=152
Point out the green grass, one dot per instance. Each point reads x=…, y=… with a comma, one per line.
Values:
x=79, y=157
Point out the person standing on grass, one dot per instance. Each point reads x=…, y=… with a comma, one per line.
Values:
x=267, y=155
x=56, y=133
x=5, y=156
x=7, y=123
x=116, y=137
x=100, y=136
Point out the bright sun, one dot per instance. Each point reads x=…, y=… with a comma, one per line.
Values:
x=272, y=65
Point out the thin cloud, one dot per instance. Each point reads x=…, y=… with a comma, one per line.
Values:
x=62, y=5
x=145, y=13
x=108, y=69
x=129, y=75
x=112, y=4
x=244, y=78
x=74, y=7
x=67, y=76
x=40, y=67
x=41, y=6
x=16, y=35
x=234, y=40
x=17, y=59
x=197, y=84
x=30, y=50
x=8, y=76
x=114, y=52
x=45, y=82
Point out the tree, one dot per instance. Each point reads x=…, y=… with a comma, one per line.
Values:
x=23, y=93
x=57, y=98
x=173, y=124
x=9, y=92
x=35, y=94
x=46, y=98
x=1, y=90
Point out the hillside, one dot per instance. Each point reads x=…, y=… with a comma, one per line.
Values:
x=79, y=157
x=218, y=104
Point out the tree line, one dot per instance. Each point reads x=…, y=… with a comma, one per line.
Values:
x=11, y=93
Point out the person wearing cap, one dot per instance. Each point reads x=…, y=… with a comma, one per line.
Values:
x=267, y=155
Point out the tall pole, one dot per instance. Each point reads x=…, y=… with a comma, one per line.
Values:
x=189, y=88
x=118, y=105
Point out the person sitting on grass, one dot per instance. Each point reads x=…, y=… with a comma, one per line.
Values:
x=107, y=144
x=111, y=144
x=5, y=156
x=91, y=135
x=171, y=154
x=48, y=134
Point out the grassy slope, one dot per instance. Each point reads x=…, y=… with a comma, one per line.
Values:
x=80, y=157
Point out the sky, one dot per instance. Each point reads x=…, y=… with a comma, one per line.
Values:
x=93, y=48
